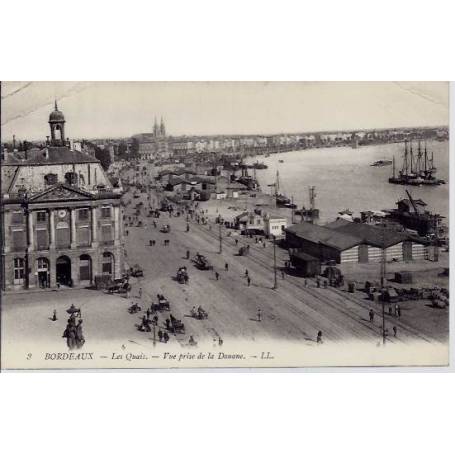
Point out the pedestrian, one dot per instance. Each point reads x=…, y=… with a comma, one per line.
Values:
x=166, y=337
x=220, y=341
x=396, y=309
x=371, y=314
x=259, y=314
x=319, y=337
x=390, y=310
x=236, y=242
x=148, y=313
x=187, y=254
x=155, y=319
x=318, y=282
x=217, y=276
x=282, y=275
x=246, y=272
x=325, y=284
x=226, y=266
x=305, y=283
x=54, y=316
x=160, y=335
x=399, y=311
x=80, y=340
x=263, y=245
x=168, y=322
x=248, y=280
x=140, y=293
x=394, y=328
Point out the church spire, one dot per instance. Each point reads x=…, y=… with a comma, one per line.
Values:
x=56, y=108
x=162, y=128
x=155, y=128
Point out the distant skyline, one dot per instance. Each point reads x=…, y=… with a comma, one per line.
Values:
x=122, y=109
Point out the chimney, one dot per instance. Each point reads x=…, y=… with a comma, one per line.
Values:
x=14, y=141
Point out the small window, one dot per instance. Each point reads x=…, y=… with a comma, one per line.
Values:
x=19, y=269
x=50, y=179
x=83, y=214
x=71, y=178
x=105, y=212
x=17, y=217
x=41, y=217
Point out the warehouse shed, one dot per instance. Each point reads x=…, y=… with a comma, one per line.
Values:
x=323, y=243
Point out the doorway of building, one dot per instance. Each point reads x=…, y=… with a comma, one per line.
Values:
x=108, y=264
x=42, y=268
x=85, y=269
x=63, y=271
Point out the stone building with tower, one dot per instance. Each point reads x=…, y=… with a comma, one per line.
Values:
x=154, y=145
x=61, y=217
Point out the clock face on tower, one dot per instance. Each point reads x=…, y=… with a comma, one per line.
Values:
x=61, y=213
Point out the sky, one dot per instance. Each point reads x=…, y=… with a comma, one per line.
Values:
x=121, y=109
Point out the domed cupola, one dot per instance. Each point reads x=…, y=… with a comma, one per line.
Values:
x=57, y=123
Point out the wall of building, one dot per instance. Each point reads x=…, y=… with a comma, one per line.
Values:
x=32, y=177
x=47, y=246
x=350, y=255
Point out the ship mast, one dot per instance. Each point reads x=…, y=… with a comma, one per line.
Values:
x=419, y=159
x=412, y=158
x=393, y=166
x=405, y=159
x=277, y=184
x=426, y=158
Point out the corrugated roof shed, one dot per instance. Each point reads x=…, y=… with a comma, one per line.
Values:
x=321, y=234
x=372, y=235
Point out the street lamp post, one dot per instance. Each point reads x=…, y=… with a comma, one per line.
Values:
x=275, y=283
x=154, y=333
x=383, y=274
x=221, y=238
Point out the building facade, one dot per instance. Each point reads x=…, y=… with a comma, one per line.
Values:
x=61, y=218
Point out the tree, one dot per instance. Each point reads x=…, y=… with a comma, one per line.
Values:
x=135, y=148
x=104, y=156
x=121, y=151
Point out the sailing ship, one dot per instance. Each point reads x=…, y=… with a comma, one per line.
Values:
x=417, y=169
x=281, y=199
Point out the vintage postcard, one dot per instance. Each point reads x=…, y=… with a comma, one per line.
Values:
x=224, y=224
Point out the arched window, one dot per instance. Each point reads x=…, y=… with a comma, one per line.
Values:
x=108, y=263
x=71, y=178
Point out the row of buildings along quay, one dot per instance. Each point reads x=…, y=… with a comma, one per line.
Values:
x=175, y=235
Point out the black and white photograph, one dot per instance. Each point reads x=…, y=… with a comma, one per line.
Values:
x=224, y=224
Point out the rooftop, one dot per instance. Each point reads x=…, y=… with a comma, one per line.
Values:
x=380, y=237
x=48, y=155
x=324, y=235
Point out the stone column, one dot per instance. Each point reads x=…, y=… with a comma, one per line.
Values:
x=73, y=228
x=116, y=224
x=94, y=228
x=51, y=230
x=31, y=240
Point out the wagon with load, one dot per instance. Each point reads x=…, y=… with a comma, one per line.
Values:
x=202, y=262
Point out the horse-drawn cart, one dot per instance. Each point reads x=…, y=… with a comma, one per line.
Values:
x=202, y=262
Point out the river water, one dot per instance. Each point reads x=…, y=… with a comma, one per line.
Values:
x=344, y=178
